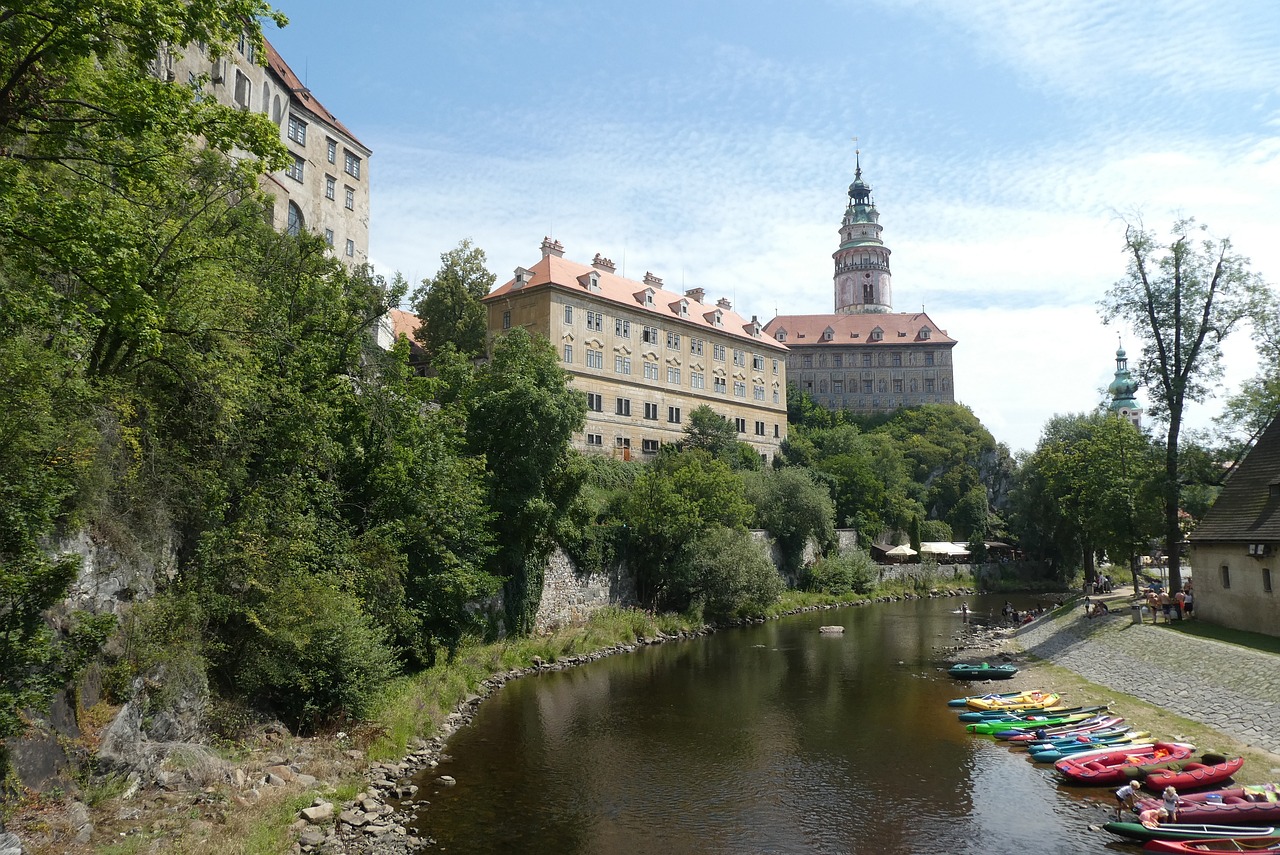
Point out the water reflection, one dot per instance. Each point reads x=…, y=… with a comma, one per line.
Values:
x=771, y=739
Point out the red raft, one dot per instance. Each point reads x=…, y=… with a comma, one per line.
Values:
x=1253, y=805
x=1215, y=771
x=1227, y=844
x=1113, y=767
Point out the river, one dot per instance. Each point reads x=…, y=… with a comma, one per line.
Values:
x=766, y=739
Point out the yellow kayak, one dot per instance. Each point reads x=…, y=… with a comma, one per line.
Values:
x=1029, y=700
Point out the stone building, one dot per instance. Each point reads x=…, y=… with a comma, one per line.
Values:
x=1235, y=550
x=325, y=187
x=865, y=356
x=645, y=356
x=1122, y=391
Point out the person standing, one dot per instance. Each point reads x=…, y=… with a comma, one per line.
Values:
x=1188, y=602
x=1179, y=603
x=1170, y=798
x=1126, y=797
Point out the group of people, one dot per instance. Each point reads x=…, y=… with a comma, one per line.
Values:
x=1127, y=797
x=1180, y=605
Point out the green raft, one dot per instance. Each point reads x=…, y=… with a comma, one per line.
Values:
x=1026, y=723
x=985, y=671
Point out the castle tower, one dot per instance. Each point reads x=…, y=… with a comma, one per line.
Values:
x=1122, y=391
x=862, y=277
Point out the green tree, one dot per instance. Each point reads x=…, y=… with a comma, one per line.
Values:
x=1183, y=300
x=706, y=430
x=792, y=507
x=729, y=576
x=449, y=303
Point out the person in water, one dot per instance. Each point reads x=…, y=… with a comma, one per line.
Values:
x=1126, y=797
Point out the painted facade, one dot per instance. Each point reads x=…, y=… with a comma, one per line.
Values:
x=864, y=356
x=325, y=187
x=645, y=356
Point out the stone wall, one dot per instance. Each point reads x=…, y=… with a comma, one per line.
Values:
x=570, y=596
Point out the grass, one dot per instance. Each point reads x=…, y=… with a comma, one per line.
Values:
x=1238, y=637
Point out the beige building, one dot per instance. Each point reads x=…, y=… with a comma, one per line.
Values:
x=864, y=356
x=644, y=356
x=325, y=188
x=1235, y=550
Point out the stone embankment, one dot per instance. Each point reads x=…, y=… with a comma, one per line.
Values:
x=1232, y=689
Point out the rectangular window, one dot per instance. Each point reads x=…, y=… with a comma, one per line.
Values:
x=595, y=402
x=568, y=353
x=757, y=362
x=718, y=385
x=866, y=360
x=696, y=345
x=717, y=351
x=243, y=90
x=775, y=366
x=622, y=365
x=568, y=314
x=697, y=380
x=837, y=387
x=673, y=415
x=759, y=428
x=739, y=389
x=506, y=320
x=741, y=425
x=350, y=198
x=867, y=387
x=776, y=433
x=332, y=151
x=928, y=359
x=757, y=392
x=595, y=321
x=651, y=411
x=673, y=339
x=595, y=359
x=1266, y=580
x=897, y=386
x=1226, y=576
x=740, y=357
x=351, y=165
x=622, y=441
x=622, y=407
x=297, y=131
x=595, y=439
x=294, y=170
x=330, y=187
x=622, y=327
x=351, y=248
x=649, y=335
x=328, y=237
x=673, y=375
x=776, y=398
x=807, y=361
x=837, y=360
x=649, y=446
x=651, y=371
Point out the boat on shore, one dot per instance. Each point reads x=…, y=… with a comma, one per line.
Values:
x=985, y=671
x=1195, y=775
x=1121, y=764
x=1187, y=831
x=1028, y=700
x=998, y=726
x=1054, y=753
x=1250, y=805
x=1225, y=844
x=1100, y=721
x=960, y=702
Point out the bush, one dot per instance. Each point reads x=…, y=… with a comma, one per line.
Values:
x=730, y=576
x=316, y=657
x=852, y=572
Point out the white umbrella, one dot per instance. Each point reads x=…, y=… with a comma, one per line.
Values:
x=901, y=550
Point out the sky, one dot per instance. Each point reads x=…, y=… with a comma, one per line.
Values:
x=1007, y=143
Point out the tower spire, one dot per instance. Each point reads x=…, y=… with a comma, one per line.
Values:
x=862, y=278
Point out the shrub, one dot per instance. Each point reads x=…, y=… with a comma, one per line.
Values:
x=852, y=572
x=729, y=574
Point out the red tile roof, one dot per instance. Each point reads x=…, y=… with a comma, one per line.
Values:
x=404, y=323
x=282, y=70
x=555, y=271
x=896, y=328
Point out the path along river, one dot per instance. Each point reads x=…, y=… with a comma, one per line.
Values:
x=767, y=739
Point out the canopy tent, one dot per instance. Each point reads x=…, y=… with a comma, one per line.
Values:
x=942, y=547
x=903, y=550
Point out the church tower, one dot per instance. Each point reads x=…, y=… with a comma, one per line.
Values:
x=862, y=278
x=1122, y=391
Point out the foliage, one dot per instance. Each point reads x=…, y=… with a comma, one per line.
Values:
x=449, y=303
x=1182, y=301
x=851, y=572
x=792, y=507
x=728, y=574
x=706, y=430
x=935, y=531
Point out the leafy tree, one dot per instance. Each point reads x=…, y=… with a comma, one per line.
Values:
x=1183, y=301
x=728, y=575
x=521, y=415
x=706, y=430
x=792, y=507
x=851, y=572
x=449, y=303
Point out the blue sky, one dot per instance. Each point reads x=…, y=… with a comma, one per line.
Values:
x=710, y=143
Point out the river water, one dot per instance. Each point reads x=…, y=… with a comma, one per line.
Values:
x=767, y=739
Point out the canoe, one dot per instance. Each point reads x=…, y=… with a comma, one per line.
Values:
x=997, y=726
x=1017, y=727
x=1113, y=727
x=1030, y=700
x=1251, y=805
x=1195, y=775
x=1187, y=831
x=1054, y=753
x=1222, y=844
x=985, y=671
x=984, y=715
x=1100, y=721
x=1122, y=764
x=960, y=702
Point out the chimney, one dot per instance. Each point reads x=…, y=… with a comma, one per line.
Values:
x=650, y=279
x=602, y=263
x=552, y=247
x=724, y=303
x=697, y=295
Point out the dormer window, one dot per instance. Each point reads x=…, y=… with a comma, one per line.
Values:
x=925, y=332
x=877, y=334
x=590, y=281
x=828, y=334
x=645, y=297
x=780, y=335
x=684, y=308
x=718, y=318
x=523, y=277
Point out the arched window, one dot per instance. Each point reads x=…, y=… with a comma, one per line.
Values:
x=266, y=97
x=296, y=222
